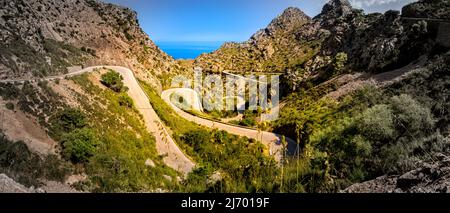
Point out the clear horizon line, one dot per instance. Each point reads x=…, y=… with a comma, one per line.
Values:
x=180, y=41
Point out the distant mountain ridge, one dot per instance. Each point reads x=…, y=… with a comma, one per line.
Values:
x=42, y=37
x=354, y=114
x=304, y=47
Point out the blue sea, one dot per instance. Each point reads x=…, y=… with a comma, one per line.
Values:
x=188, y=50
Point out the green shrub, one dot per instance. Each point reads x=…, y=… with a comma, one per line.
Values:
x=125, y=100
x=344, y=150
x=249, y=119
x=9, y=91
x=410, y=116
x=377, y=123
x=339, y=62
x=113, y=80
x=28, y=168
x=128, y=36
x=364, y=98
x=67, y=121
x=428, y=87
x=196, y=139
x=79, y=145
x=9, y=106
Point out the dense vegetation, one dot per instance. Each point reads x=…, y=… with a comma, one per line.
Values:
x=113, y=80
x=107, y=140
x=368, y=133
x=365, y=134
x=249, y=118
x=227, y=163
x=28, y=168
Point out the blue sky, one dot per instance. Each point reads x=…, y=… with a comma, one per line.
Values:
x=224, y=20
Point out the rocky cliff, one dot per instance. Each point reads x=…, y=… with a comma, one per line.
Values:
x=266, y=50
x=43, y=37
x=305, y=47
x=427, y=178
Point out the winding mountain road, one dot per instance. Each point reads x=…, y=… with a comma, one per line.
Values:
x=165, y=145
x=271, y=140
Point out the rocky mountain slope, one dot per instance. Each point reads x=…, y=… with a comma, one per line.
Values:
x=306, y=47
x=266, y=50
x=44, y=38
x=83, y=132
x=8, y=185
x=427, y=178
x=41, y=38
x=322, y=57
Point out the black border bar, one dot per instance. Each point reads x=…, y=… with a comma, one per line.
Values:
x=172, y=202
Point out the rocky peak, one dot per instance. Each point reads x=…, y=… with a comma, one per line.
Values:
x=335, y=9
x=438, y=9
x=61, y=34
x=372, y=42
x=290, y=18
